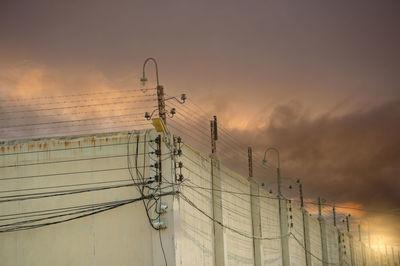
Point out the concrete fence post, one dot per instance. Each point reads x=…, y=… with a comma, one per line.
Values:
x=284, y=230
x=363, y=254
x=352, y=257
x=306, y=232
x=341, y=247
x=219, y=241
x=324, y=242
x=256, y=223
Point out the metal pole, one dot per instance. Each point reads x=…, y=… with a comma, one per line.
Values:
x=319, y=207
x=278, y=172
x=347, y=223
x=161, y=104
x=250, y=159
x=214, y=134
x=301, y=195
x=334, y=215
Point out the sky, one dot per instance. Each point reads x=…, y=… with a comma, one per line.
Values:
x=320, y=80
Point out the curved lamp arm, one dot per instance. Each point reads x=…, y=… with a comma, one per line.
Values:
x=144, y=79
x=272, y=149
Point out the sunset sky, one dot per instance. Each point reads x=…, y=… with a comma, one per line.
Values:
x=320, y=80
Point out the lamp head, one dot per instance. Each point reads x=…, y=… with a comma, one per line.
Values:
x=143, y=80
x=173, y=111
x=183, y=97
x=147, y=115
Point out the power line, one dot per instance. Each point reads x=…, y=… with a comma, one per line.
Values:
x=78, y=101
x=78, y=106
x=116, y=205
x=74, y=113
x=74, y=95
x=71, y=121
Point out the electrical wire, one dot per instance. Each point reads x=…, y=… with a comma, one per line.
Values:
x=73, y=95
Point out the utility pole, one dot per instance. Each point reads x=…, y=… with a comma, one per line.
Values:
x=301, y=195
x=161, y=104
x=250, y=160
x=255, y=213
x=219, y=239
x=214, y=134
x=334, y=215
x=319, y=207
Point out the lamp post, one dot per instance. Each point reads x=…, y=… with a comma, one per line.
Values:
x=277, y=169
x=283, y=216
x=160, y=90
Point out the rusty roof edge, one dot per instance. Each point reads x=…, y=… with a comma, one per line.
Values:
x=70, y=137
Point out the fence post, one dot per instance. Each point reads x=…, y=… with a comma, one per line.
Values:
x=322, y=227
x=284, y=230
x=363, y=252
x=352, y=258
x=255, y=214
x=306, y=232
x=219, y=238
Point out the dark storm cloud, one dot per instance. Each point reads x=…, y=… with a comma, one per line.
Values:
x=353, y=157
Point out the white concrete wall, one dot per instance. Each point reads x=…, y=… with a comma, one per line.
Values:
x=297, y=252
x=269, y=209
x=357, y=253
x=117, y=237
x=332, y=244
x=123, y=236
x=237, y=215
x=194, y=231
x=315, y=241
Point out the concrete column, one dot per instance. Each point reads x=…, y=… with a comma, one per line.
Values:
x=363, y=254
x=394, y=259
x=284, y=230
x=256, y=222
x=219, y=241
x=340, y=246
x=324, y=242
x=352, y=258
x=306, y=232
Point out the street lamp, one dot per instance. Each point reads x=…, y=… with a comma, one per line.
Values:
x=160, y=91
x=277, y=169
x=143, y=79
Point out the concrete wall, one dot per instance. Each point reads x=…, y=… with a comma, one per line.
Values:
x=194, y=231
x=269, y=207
x=332, y=244
x=237, y=215
x=315, y=241
x=123, y=236
x=297, y=251
x=116, y=237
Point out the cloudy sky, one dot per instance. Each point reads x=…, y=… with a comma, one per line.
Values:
x=320, y=80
